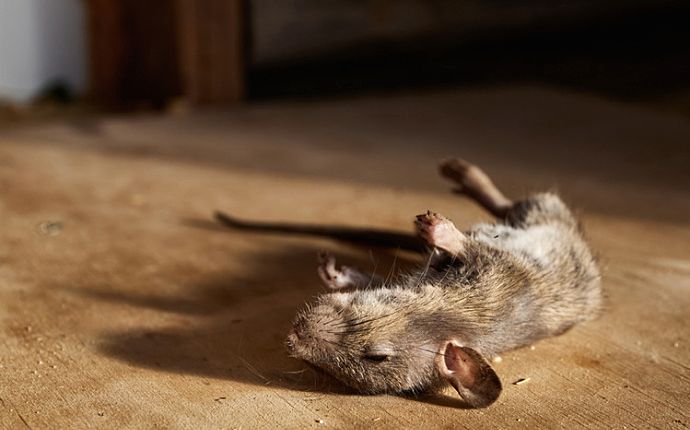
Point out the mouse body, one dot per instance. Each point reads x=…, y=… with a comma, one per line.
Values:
x=491, y=288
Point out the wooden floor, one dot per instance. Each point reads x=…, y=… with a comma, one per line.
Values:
x=123, y=306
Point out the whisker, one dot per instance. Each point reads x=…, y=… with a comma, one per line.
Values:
x=426, y=269
x=431, y=351
x=373, y=273
x=452, y=260
x=390, y=272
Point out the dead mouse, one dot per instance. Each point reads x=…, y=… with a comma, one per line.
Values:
x=489, y=289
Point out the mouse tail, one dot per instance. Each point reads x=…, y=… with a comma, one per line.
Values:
x=357, y=236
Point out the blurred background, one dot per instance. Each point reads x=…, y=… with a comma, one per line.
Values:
x=129, y=54
x=516, y=85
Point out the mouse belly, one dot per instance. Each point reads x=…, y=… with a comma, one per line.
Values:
x=539, y=245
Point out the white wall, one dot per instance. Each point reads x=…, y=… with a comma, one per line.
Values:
x=41, y=41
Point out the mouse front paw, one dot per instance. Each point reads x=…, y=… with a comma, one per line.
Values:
x=344, y=277
x=330, y=275
x=438, y=231
x=431, y=226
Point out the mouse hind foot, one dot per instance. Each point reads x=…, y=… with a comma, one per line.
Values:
x=473, y=182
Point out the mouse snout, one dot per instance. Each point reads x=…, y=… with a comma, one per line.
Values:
x=299, y=328
x=298, y=336
x=303, y=329
x=291, y=341
x=320, y=325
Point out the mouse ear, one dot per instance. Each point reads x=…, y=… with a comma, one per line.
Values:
x=469, y=373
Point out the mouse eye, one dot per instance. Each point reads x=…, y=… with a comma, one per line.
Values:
x=376, y=358
x=378, y=352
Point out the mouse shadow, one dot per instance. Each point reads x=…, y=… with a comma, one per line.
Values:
x=233, y=326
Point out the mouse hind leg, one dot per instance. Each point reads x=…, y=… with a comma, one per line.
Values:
x=540, y=208
x=537, y=209
x=345, y=276
x=473, y=182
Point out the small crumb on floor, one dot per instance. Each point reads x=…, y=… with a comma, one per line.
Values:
x=50, y=228
x=497, y=359
x=676, y=344
x=532, y=347
x=521, y=381
x=319, y=421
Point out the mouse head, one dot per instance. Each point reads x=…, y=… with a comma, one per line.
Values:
x=376, y=342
